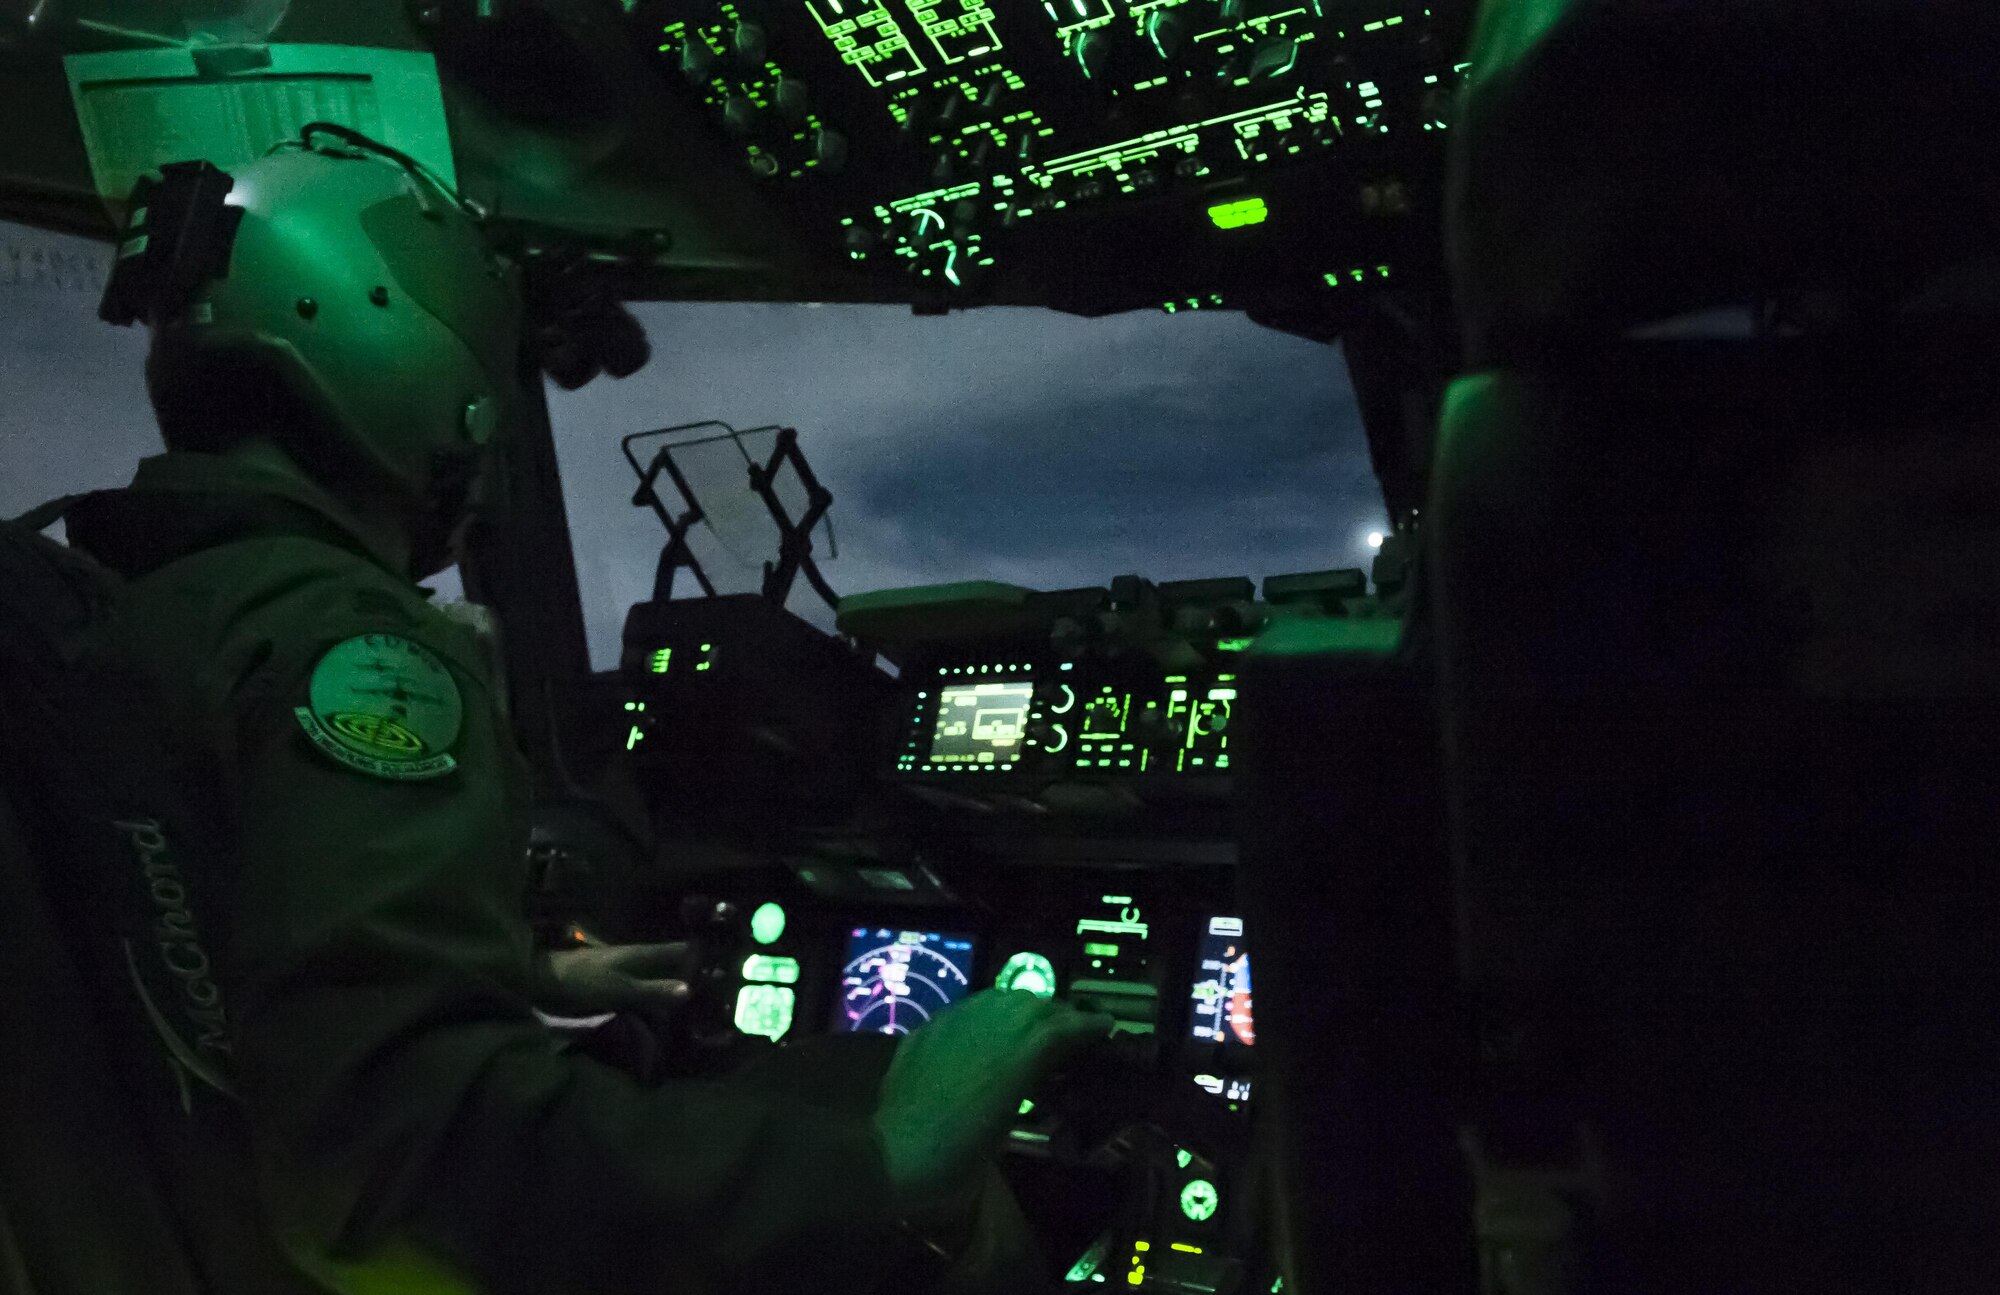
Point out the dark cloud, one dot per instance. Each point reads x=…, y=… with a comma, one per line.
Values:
x=1004, y=444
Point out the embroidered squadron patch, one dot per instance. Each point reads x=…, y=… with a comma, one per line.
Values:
x=385, y=706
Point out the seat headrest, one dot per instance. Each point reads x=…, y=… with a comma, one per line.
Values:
x=1619, y=162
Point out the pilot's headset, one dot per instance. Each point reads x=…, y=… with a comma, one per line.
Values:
x=339, y=296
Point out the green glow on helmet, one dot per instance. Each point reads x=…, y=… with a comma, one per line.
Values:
x=764, y=1010
x=1235, y=215
x=1199, y=1199
x=767, y=924
x=1030, y=973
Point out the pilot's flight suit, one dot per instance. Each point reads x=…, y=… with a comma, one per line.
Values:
x=373, y=955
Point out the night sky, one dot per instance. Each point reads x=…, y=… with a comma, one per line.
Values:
x=1001, y=444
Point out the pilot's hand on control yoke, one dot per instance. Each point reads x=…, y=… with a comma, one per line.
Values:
x=954, y=1087
x=649, y=979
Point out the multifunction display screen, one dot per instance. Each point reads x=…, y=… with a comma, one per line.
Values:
x=982, y=723
x=895, y=981
x=1220, y=1013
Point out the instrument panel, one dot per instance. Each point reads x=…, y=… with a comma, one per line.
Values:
x=946, y=139
x=1062, y=719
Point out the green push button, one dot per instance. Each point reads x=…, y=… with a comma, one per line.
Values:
x=764, y=1010
x=1030, y=973
x=1199, y=1199
x=767, y=924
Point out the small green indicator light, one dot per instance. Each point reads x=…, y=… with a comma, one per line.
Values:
x=1027, y=1106
x=1117, y=899
x=767, y=924
x=661, y=659
x=1232, y=645
x=633, y=738
x=1100, y=950
x=766, y=1010
x=1199, y=1199
x=770, y=969
x=1182, y=1157
x=1030, y=973
x=1235, y=215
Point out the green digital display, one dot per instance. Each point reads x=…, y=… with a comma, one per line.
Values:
x=981, y=723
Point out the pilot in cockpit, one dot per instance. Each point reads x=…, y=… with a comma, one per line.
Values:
x=332, y=363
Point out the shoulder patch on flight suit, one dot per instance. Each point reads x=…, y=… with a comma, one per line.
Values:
x=385, y=706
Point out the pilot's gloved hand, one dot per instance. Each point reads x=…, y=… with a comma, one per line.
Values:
x=953, y=1089
x=649, y=980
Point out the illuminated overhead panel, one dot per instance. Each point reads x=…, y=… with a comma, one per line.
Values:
x=1234, y=215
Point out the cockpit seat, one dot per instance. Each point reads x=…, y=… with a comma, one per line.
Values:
x=81, y=1212
x=1714, y=554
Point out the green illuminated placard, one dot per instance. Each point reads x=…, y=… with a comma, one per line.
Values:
x=1233, y=645
x=1100, y=950
x=659, y=661
x=1235, y=215
x=767, y=924
x=768, y=969
x=764, y=1010
x=1030, y=973
x=868, y=39
x=1199, y=1199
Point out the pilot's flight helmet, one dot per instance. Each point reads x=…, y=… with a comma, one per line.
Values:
x=336, y=288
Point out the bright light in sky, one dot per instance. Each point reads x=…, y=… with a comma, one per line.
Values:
x=1374, y=539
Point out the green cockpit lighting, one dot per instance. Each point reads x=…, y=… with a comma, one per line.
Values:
x=1199, y=1199
x=769, y=969
x=660, y=660
x=767, y=924
x=1235, y=215
x=1030, y=973
x=764, y=1010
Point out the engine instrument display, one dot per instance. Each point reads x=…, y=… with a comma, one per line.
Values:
x=1220, y=1012
x=982, y=723
x=895, y=981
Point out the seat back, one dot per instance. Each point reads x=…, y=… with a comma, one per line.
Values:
x=81, y=1211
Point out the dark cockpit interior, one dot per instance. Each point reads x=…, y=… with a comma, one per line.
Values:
x=1615, y=853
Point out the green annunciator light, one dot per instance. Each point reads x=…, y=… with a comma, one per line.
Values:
x=1235, y=215
x=660, y=660
x=767, y=924
x=1030, y=973
x=764, y=1010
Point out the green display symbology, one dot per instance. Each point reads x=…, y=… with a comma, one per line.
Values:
x=767, y=924
x=764, y=1010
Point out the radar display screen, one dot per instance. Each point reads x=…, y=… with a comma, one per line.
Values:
x=1220, y=1012
x=895, y=981
x=982, y=723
